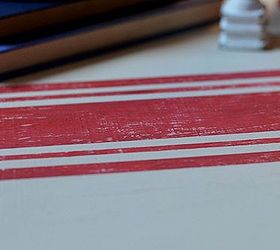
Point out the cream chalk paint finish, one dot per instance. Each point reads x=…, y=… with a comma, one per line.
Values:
x=209, y=208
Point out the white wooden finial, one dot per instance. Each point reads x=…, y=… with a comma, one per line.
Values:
x=243, y=25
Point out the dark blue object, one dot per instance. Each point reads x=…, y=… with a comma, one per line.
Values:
x=12, y=8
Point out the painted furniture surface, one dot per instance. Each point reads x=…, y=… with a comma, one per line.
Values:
x=172, y=144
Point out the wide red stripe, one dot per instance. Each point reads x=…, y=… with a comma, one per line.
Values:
x=135, y=120
x=209, y=161
x=110, y=83
x=142, y=149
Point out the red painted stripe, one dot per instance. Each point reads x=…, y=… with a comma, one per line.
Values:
x=135, y=120
x=226, y=160
x=156, y=91
x=142, y=149
x=161, y=80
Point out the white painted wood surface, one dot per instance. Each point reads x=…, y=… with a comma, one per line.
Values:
x=215, y=208
x=208, y=208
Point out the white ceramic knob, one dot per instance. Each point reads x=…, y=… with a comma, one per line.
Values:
x=243, y=25
x=235, y=6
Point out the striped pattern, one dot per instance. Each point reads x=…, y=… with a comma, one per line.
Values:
x=62, y=129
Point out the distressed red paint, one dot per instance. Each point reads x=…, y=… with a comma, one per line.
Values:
x=194, y=162
x=139, y=81
x=134, y=120
x=139, y=120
